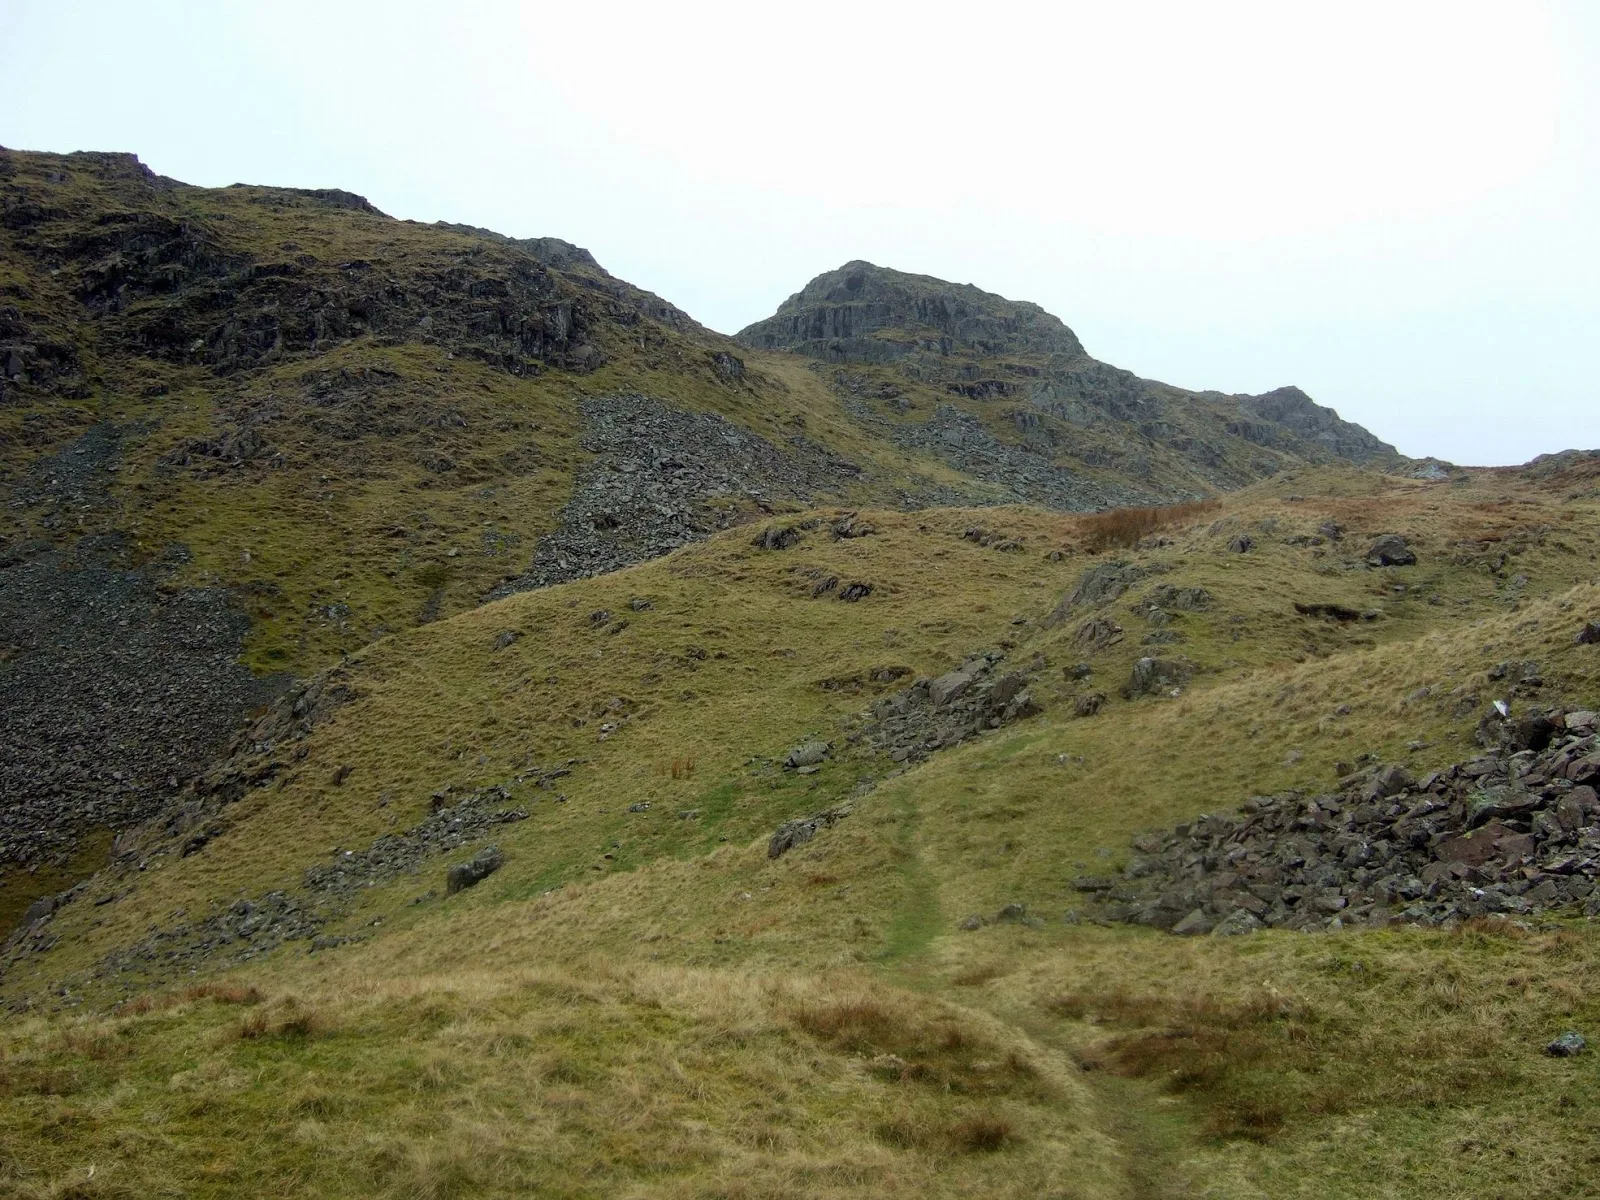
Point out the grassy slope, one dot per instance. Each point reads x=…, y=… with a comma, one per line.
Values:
x=686, y=1017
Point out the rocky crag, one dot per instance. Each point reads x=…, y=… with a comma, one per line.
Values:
x=1021, y=368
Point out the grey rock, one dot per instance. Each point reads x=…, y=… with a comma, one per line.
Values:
x=1569, y=1045
x=1391, y=550
x=806, y=754
x=777, y=537
x=1240, y=921
x=952, y=685
x=1096, y=634
x=1099, y=585
x=474, y=871
x=1154, y=675
x=972, y=921
x=796, y=833
x=1242, y=544
x=1012, y=914
x=1088, y=706
x=1589, y=635
x=1195, y=922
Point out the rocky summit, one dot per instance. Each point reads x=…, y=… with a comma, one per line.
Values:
x=467, y=729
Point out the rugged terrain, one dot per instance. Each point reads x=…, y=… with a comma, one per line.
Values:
x=468, y=730
x=246, y=430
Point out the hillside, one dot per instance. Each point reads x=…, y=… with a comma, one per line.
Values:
x=467, y=729
x=247, y=430
x=797, y=878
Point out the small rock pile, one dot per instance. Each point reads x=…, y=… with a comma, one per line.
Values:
x=934, y=714
x=471, y=817
x=1516, y=831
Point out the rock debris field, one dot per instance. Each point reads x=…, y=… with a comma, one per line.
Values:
x=661, y=478
x=1515, y=832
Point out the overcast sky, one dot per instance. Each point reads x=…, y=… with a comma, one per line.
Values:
x=1393, y=205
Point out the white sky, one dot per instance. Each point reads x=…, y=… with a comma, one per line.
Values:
x=1393, y=205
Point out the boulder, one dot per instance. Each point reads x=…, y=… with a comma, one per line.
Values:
x=806, y=754
x=1195, y=922
x=474, y=871
x=1242, y=544
x=1087, y=706
x=1569, y=1045
x=776, y=538
x=1391, y=550
x=798, y=832
x=952, y=685
x=1589, y=635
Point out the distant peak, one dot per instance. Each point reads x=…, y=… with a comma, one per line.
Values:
x=864, y=312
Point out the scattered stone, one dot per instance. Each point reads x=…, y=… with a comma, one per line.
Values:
x=855, y=591
x=660, y=479
x=505, y=638
x=936, y=714
x=1391, y=550
x=972, y=921
x=1242, y=544
x=1589, y=635
x=116, y=691
x=640, y=604
x=1012, y=914
x=474, y=871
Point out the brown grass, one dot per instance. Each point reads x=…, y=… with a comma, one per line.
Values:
x=678, y=767
x=1125, y=527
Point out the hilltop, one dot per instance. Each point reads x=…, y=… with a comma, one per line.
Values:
x=975, y=345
